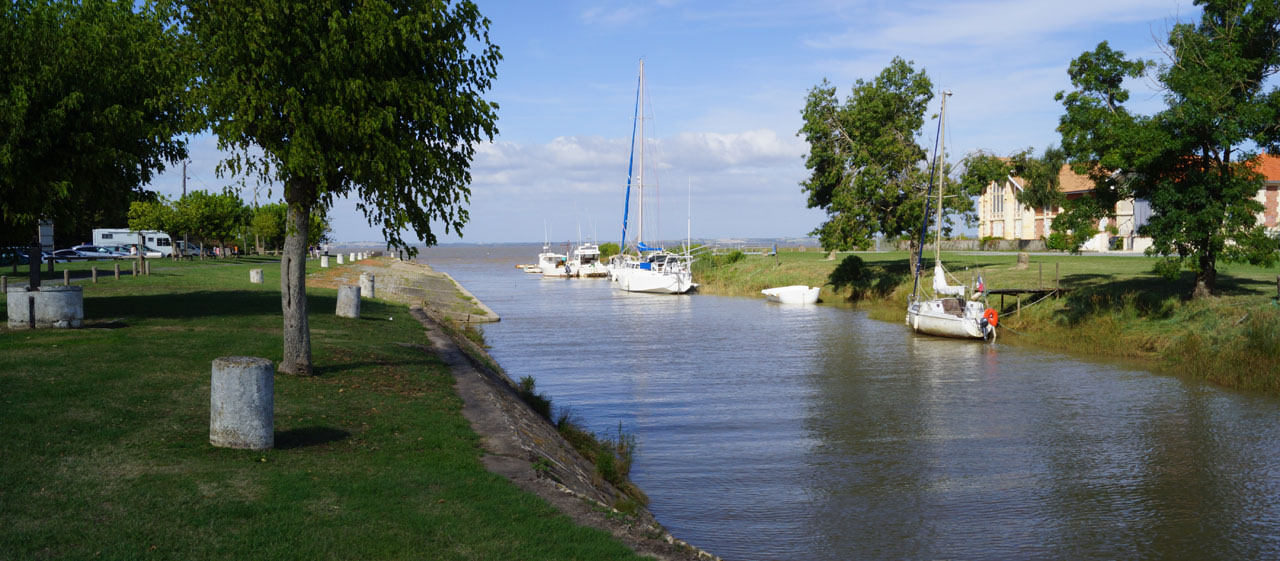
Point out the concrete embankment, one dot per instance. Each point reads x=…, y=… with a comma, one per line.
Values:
x=520, y=444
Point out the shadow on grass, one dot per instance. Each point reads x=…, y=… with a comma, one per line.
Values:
x=863, y=281
x=1148, y=297
x=308, y=436
x=197, y=304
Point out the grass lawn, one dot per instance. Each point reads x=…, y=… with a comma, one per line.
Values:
x=1116, y=305
x=106, y=453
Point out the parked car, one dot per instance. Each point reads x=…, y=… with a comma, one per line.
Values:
x=100, y=251
x=127, y=250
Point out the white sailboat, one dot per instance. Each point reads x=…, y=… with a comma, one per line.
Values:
x=949, y=313
x=655, y=271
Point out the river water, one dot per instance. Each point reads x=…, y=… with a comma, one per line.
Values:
x=779, y=432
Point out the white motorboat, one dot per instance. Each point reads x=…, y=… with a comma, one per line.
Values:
x=655, y=271
x=795, y=294
x=949, y=313
x=585, y=262
x=552, y=264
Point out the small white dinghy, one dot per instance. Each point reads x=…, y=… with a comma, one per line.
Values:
x=796, y=294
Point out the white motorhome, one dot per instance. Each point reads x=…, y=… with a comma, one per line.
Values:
x=124, y=236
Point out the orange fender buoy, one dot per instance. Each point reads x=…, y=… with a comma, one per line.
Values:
x=991, y=316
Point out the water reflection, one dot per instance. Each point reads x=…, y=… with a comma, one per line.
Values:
x=780, y=432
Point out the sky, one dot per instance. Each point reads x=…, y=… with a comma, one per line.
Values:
x=726, y=82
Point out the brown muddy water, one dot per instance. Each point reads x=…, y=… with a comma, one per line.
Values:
x=776, y=432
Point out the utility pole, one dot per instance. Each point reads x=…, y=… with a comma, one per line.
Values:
x=182, y=252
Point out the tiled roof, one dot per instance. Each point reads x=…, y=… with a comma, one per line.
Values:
x=1270, y=167
x=1072, y=182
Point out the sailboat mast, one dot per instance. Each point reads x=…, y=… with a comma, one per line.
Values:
x=942, y=175
x=640, y=172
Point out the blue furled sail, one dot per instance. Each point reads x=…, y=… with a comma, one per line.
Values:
x=643, y=247
x=626, y=204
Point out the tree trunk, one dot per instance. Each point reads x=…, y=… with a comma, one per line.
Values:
x=1207, y=276
x=913, y=259
x=293, y=287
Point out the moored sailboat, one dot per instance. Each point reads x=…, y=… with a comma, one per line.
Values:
x=949, y=313
x=655, y=270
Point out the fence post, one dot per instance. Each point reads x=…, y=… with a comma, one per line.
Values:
x=66, y=277
x=117, y=271
x=94, y=272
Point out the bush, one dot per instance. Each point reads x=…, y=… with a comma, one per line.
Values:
x=537, y=401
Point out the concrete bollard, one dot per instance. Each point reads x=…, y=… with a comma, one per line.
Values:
x=255, y=276
x=324, y=261
x=59, y=307
x=348, y=302
x=366, y=285
x=242, y=403
x=339, y=259
x=117, y=271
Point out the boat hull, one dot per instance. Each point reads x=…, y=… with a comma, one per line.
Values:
x=639, y=280
x=798, y=294
x=931, y=317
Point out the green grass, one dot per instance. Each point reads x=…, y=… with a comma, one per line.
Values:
x=105, y=438
x=1116, y=306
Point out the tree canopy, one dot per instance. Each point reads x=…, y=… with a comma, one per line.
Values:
x=867, y=168
x=378, y=100
x=92, y=100
x=1191, y=161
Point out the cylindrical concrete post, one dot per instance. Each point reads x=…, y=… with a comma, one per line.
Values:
x=242, y=403
x=339, y=259
x=93, y=272
x=60, y=307
x=366, y=285
x=255, y=276
x=324, y=261
x=66, y=277
x=348, y=301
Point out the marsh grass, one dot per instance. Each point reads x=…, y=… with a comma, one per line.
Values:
x=106, y=451
x=1115, y=305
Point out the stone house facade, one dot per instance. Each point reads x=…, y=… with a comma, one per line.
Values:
x=1001, y=216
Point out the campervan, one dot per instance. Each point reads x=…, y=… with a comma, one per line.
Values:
x=124, y=236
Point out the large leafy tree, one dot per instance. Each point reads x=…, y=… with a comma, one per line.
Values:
x=1192, y=161
x=377, y=99
x=867, y=168
x=91, y=105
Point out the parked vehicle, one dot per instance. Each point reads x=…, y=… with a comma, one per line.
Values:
x=149, y=238
x=128, y=250
x=100, y=251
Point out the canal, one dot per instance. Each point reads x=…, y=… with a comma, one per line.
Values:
x=776, y=432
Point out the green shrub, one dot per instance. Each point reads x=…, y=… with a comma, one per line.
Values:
x=537, y=401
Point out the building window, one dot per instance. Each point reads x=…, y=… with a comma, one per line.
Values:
x=106, y=236
x=997, y=201
x=1017, y=229
x=997, y=229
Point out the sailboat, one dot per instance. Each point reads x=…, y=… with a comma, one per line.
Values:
x=949, y=313
x=656, y=270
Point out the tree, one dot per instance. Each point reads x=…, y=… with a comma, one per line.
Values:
x=212, y=217
x=157, y=214
x=92, y=98
x=379, y=100
x=867, y=169
x=1193, y=160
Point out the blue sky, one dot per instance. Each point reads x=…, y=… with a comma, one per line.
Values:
x=726, y=83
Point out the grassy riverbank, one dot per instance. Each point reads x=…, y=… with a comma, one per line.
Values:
x=105, y=433
x=1116, y=307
